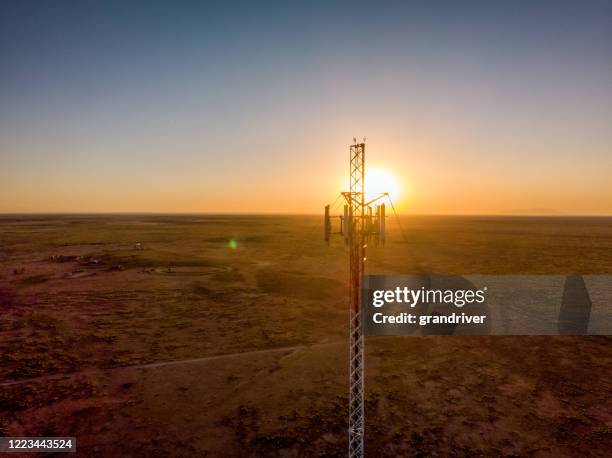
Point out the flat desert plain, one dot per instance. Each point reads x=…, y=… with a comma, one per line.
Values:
x=196, y=335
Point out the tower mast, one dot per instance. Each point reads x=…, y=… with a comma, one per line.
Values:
x=358, y=225
x=357, y=246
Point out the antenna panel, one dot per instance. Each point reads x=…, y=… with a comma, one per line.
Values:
x=327, y=224
x=381, y=224
x=346, y=223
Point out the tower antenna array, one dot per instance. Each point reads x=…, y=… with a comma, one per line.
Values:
x=360, y=222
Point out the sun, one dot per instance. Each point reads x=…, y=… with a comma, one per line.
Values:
x=378, y=181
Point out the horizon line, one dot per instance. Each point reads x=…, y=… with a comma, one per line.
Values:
x=135, y=213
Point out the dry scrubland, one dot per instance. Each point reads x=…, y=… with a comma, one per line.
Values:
x=192, y=348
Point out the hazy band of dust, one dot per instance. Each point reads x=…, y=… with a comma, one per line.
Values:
x=67, y=375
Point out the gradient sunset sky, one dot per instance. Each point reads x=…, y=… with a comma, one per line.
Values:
x=475, y=107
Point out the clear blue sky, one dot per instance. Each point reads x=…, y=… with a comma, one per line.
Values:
x=475, y=107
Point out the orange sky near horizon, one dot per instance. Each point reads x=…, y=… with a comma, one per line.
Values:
x=429, y=182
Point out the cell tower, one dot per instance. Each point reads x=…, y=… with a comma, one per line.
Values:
x=358, y=225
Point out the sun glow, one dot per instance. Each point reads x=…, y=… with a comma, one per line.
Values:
x=379, y=181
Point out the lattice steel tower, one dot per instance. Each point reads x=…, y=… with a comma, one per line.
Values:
x=358, y=225
x=356, y=200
